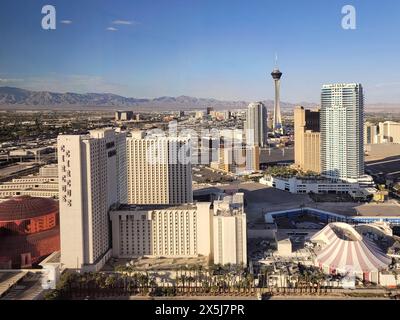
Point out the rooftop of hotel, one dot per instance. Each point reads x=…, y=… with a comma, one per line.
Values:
x=150, y=207
x=229, y=205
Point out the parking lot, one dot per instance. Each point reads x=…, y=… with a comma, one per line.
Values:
x=260, y=198
x=388, y=168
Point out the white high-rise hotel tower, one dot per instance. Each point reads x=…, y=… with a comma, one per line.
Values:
x=92, y=180
x=342, y=142
x=256, y=125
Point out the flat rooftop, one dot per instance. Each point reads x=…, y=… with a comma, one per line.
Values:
x=149, y=207
x=282, y=236
x=276, y=155
x=377, y=210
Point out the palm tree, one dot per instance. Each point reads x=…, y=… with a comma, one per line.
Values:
x=214, y=268
x=110, y=282
x=142, y=282
x=153, y=283
x=68, y=280
x=205, y=285
x=182, y=280
x=101, y=280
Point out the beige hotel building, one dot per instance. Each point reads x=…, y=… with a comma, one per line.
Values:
x=307, y=137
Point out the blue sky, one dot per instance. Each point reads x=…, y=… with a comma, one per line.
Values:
x=205, y=48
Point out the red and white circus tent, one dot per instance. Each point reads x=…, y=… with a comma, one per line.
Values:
x=345, y=250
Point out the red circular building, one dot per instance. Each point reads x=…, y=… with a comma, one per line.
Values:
x=29, y=231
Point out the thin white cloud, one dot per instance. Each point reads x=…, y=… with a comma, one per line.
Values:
x=123, y=22
x=111, y=29
x=66, y=21
x=3, y=80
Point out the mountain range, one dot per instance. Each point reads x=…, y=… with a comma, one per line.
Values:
x=16, y=98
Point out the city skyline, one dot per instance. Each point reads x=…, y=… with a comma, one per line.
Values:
x=150, y=151
x=128, y=210
x=204, y=50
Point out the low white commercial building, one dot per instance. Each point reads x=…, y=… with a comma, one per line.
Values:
x=36, y=152
x=389, y=279
x=44, y=184
x=50, y=170
x=302, y=185
x=51, y=271
x=283, y=244
x=38, y=190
